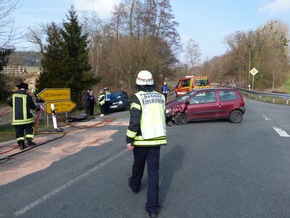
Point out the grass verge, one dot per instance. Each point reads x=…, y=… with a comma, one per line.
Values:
x=8, y=131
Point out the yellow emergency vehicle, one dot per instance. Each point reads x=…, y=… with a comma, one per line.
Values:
x=188, y=83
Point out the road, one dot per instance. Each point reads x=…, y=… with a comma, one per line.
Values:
x=208, y=169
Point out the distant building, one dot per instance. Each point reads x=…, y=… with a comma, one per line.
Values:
x=19, y=70
x=14, y=70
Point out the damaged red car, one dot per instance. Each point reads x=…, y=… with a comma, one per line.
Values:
x=207, y=104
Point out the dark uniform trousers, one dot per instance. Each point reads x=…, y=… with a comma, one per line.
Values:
x=107, y=107
x=152, y=155
x=19, y=130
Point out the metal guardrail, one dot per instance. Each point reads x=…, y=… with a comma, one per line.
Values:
x=259, y=95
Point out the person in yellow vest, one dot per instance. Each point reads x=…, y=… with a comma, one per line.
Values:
x=145, y=134
x=101, y=100
x=107, y=100
x=22, y=118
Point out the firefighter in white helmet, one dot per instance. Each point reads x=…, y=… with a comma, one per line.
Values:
x=145, y=134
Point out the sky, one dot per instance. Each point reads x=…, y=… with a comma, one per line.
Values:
x=207, y=22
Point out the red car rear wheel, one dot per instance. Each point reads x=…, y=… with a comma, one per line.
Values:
x=236, y=116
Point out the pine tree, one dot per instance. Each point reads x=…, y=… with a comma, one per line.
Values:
x=4, y=56
x=65, y=59
x=53, y=61
x=77, y=59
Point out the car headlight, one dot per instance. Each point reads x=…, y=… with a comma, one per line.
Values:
x=120, y=102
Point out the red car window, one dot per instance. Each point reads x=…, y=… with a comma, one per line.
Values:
x=227, y=95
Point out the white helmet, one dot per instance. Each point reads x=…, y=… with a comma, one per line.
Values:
x=144, y=77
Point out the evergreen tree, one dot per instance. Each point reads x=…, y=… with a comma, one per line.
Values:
x=65, y=59
x=77, y=59
x=4, y=55
x=53, y=61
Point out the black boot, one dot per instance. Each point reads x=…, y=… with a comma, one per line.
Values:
x=30, y=142
x=21, y=144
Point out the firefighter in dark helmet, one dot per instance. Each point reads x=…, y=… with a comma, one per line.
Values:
x=22, y=119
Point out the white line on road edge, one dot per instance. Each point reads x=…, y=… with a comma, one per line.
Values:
x=51, y=194
x=281, y=132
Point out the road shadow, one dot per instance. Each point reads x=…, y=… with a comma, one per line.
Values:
x=169, y=164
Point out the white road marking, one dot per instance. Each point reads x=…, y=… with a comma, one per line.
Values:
x=266, y=117
x=54, y=192
x=281, y=132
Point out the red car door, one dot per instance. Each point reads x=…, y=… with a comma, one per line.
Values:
x=202, y=106
x=228, y=101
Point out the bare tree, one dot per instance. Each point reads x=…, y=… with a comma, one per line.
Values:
x=7, y=35
x=192, y=55
x=145, y=38
x=275, y=52
x=7, y=29
x=239, y=55
x=95, y=28
x=266, y=49
x=37, y=35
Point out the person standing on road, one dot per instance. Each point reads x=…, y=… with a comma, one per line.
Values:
x=22, y=119
x=92, y=103
x=87, y=101
x=101, y=100
x=107, y=100
x=164, y=90
x=145, y=134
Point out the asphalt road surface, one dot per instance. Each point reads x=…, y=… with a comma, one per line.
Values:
x=208, y=169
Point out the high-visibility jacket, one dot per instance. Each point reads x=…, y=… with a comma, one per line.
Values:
x=101, y=99
x=107, y=95
x=147, y=120
x=21, y=103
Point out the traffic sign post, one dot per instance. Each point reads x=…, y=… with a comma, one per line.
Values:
x=53, y=116
x=60, y=97
x=57, y=100
x=254, y=71
x=55, y=94
x=60, y=106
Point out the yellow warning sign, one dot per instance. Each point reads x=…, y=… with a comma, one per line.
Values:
x=60, y=106
x=54, y=94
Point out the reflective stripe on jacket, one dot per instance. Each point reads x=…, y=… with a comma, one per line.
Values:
x=101, y=99
x=107, y=95
x=22, y=103
x=152, y=120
